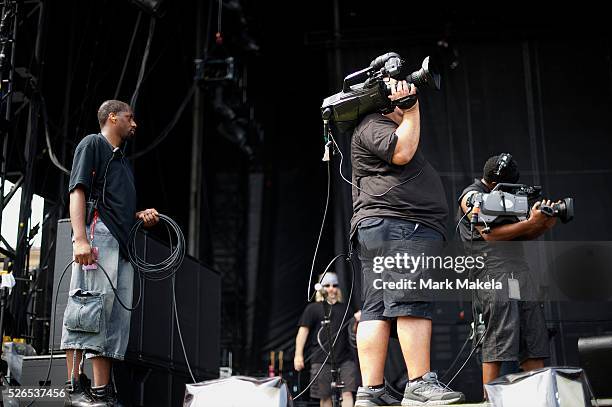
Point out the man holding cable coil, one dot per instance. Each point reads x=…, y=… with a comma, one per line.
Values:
x=102, y=213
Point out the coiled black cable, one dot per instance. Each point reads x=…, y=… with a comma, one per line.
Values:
x=166, y=268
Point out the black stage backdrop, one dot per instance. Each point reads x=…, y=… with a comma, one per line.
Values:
x=518, y=84
x=535, y=84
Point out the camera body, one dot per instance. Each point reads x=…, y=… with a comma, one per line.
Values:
x=366, y=91
x=508, y=203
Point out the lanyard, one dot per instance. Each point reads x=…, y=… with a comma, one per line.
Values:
x=92, y=228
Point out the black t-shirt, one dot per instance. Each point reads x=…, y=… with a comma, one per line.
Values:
x=464, y=225
x=93, y=158
x=312, y=317
x=416, y=191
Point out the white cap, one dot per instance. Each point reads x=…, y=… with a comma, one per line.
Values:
x=329, y=278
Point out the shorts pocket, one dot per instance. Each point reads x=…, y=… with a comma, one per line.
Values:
x=84, y=311
x=369, y=234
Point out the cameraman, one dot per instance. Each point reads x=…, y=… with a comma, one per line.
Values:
x=398, y=198
x=515, y=330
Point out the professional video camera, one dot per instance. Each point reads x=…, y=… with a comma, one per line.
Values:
x=366, y=91
x=510, y=202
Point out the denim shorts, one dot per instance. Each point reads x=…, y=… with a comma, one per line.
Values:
x=388, y=237
x=94, y=320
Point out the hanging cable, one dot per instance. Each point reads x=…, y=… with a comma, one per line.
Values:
x=218, y=35
x=52, y=156
x=128, y=55
x=361, y=189
x=178, y=328
x=166, y=131
x=314, y=257
x=454, y=362
x=325, y=272
x=143, y=64
x=469, y=356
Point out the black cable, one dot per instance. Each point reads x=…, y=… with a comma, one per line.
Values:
x=319, y=340
x=127, y=56
x=475, y=319
x=321, y=348
x=452, y=365
x=165, y=268
x=53, y=328
x=318, y=350
x=143, y=64
x=314, y=257
x=54, y=314
x=52, y=155
x=310, y=297
x=361, y=189
x=178, y=328
x=469, y=356
x=166, y=131
x=42, y=266
x=463, y=217
x=595, y=401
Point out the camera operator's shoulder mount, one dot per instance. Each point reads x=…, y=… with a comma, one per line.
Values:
x=366, y=91
x=511, y=202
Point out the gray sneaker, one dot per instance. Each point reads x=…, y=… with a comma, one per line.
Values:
x=428, y=391
x=367, y=397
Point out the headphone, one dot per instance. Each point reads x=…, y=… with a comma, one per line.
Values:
x=502, y=162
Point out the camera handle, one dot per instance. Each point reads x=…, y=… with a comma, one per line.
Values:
x=547, y=210
x=406, y=102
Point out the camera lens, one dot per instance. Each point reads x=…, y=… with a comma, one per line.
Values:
x=564, y=210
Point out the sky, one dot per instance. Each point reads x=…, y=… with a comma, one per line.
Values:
x=10, y=216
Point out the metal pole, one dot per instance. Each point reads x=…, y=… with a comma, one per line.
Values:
x=5, y=136
x=195, y=193
x=9, y=99
x=22, y=248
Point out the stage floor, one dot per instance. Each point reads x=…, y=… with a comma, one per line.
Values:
x=600, y=403
x=483, y=404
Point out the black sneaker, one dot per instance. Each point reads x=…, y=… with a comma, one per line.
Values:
x=428, y=391
x=78, y=392
x=367, y=397
x=103, y=396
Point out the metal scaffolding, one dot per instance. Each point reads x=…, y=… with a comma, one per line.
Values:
x=22, y=104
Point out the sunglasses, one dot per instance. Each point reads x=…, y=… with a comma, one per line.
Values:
x=330, y=285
